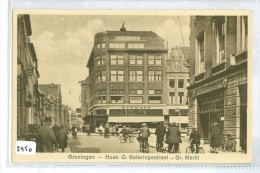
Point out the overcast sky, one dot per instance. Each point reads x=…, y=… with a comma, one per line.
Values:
x=63, y=44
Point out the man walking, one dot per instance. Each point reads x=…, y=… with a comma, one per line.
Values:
x=160, y=132
x=46, y=137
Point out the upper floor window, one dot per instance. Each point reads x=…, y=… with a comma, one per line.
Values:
x=154, y=60
x=136, y=59
x=155, y=75
x=100, y=60
x=242, y=33
x=135, y=45
x=103, y=45
x=98, y=45
x=117, y=75
x=200, y=59
x=116, y=45
x=116, y=59
x=136, y=75
x=180, y=83
x=172, y=83
x=117, y=99
x=101, y=76
x=220, y=41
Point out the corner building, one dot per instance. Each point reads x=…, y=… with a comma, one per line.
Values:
x=126, y=78
x=218, y=88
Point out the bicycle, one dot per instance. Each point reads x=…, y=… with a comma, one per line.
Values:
x=129, y=137
x=166, y=150
x=144, y=146
x=229, y=144
x=159, y=145
x=191, y=150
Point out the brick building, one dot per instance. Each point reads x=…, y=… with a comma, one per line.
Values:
x=27, y=78
x=218, y=81
x=126, y=78
x=177, y=75
x=84, y=99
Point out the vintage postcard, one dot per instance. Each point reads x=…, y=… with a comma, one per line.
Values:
x=108, y=86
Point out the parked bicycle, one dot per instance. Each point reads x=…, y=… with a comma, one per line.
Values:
x=192, y=150
x=124, y=138
x=229, y=144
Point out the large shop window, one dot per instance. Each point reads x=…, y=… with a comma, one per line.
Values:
x=117, y=112
x=136, y=75
x=154, y=60
x=136, y=99
x=136, y=59
x=200, y=65
x=220, y=41
x=117, y=99
x=117, y=75
x=116, y=59
x=154, y=99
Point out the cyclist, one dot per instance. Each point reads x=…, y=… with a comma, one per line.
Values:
x=160, y=132
x=195, y=139
x=144, y=133
x=124, y=131
x=173, y=137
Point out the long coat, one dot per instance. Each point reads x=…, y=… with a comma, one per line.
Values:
x=173, y=135
x=216, y=137
x=62, y=138
x=46, y=139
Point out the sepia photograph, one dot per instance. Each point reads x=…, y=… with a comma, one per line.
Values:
x=131, y=86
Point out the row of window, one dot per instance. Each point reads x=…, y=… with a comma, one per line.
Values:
x=179, y=99
x=134, y=75
x=133, y=60
x=131, y=92
x=130, y=112
x=219, y=42
x=120, y=45
x=180, y=83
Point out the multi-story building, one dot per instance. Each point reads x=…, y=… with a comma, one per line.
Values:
x=177, y=75
x=27, y=78
x=53, y=92
x=84, y=97
x=218, y=83
x=126, y=77
x=65, y=115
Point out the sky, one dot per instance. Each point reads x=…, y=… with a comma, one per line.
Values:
x=63, y=44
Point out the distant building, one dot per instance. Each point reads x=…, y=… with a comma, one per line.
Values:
x=53, y=92
x=27, y=78
x=84, y=99
x=127, y=78
x=218, y=84
x=65, y=115
x=177, y=74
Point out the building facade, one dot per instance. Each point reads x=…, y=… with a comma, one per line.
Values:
x=126, y=78
x=84, y=97
x=218, y=82
x=177, y=76
x=53, y=97
x=27, y=78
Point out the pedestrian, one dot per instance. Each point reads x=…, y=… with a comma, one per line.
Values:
x=100, y=129
x=195, y=140
x=215, y=138
x=173, y=137
x=46, y=137
x=87, y=127
x=160, y=132
x=55, y=129
x=144, y=133
x=74, y=132
x=62, y=138
x=106, y=132
x=117, y=129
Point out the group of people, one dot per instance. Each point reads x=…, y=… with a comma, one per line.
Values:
x=51, y=139
x=108, y=129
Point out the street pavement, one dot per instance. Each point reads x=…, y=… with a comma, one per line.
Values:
x=98, y=144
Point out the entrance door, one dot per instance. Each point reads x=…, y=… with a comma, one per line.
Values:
x=243, y=116
x=204, y=125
